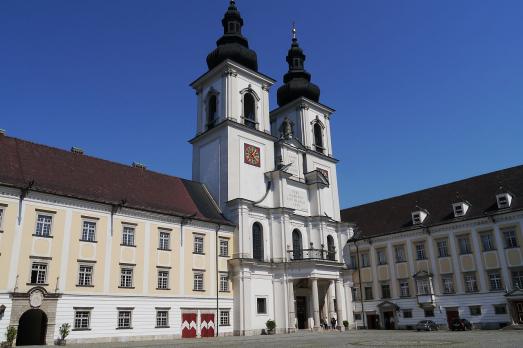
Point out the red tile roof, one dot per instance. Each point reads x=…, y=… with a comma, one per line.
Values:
x=60, y=172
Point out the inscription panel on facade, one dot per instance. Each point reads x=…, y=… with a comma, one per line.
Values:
x=296, y=199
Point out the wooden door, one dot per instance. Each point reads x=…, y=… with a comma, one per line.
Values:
x=451, y=315
x=189, y=325
x=301, y=311
x=207, y=325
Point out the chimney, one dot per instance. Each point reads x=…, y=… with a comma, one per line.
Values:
x=77, y=150
x=139, y=165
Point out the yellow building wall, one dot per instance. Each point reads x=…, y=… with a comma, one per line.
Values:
x=8, y=229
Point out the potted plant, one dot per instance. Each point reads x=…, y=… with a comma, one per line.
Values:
x=346, y=324
x=271, y=326
x=64, y=330
x=10, y=336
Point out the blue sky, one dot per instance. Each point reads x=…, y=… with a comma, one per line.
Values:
x=426, y=92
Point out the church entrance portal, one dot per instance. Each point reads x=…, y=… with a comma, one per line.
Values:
x=301, y=311
x=32, y=328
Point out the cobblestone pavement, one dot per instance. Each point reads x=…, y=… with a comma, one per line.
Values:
x=361, y=338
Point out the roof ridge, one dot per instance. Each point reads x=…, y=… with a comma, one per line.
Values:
x=435, y=187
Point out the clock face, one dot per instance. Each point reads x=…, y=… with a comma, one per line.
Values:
x=251, y=155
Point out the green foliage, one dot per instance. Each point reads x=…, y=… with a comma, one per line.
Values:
x=346, y=324
x=271, y=324
x=10, y=335
x=65, y=329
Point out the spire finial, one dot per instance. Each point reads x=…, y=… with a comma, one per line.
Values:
x=293, y=30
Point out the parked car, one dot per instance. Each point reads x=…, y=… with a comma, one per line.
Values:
x=426, y=325
x=460, y=324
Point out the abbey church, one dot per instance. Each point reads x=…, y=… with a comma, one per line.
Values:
x=122, y=253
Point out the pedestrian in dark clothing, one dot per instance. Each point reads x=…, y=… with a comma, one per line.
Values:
x=333, y=323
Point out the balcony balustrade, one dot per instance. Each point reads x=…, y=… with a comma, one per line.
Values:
x=312, y=254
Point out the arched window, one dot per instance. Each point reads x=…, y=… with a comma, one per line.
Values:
x=257, y=241
x=297, y=246
x=318, y=138
x=249, y=110
x=331, y=249
x=211, y=111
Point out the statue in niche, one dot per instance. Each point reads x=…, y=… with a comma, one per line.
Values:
x=286, y=129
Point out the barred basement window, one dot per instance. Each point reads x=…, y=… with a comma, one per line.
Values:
x=124, y=319
x=43, y=225
x=128, y=236
x=89, y=231
x=163, y=279
x=165, y=241
x=198, y=245
x=198, y=282
x=224, y=318
x=38, y=273
x=85, y=275
x=407, y=313
x=162, y=318
x=126, y=278
x=475, y=310
x=224, y=282
x=224, y=247
x=82, y=319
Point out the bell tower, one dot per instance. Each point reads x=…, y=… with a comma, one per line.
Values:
x=233, y=146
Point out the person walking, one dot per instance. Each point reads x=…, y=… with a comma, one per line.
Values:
x=333, y=323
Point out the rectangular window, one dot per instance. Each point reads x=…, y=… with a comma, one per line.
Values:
x=357, y=316
x=1, y=217
x=407, y=313
x=399, y=252
x=382, y=258
x=486, y=242
x=85, y=275
x=163, y=279
x=126, y=278
x=464, y=245
x=165, y=241
x=385, y=291
x=352, y=262
x=355, y=294
x=43, y=225
x=448, y=284
x=517, y=279
x=511, y=240
x=364, y=260
x=225, y=318
x=420, y=251
x=500, y=309
x=198, y=282
x=261, y=305
x=495, y=281
x=224, y=282
x=443, y=250
x=124, y=319
x=162, y=318
x=198, y=245
x=82, y=319
x=475, y=310
x=471, y=284
x=429, y=313
x=38, y=273
x=128, y=236
x=368, y=293
x=423, y=286
x=89, y=231
x=224, y=247
x=404, y=288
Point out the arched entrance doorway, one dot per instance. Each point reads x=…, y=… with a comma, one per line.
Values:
x=32, y=328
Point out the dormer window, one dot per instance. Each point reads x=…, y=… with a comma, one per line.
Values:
x=418, y=217
x=504, y=200
x=460, y=209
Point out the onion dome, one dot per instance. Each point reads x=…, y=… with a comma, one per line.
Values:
x=297, y=80
x=233, y=45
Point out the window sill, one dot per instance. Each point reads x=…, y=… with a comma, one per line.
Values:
x=218, y=255
x=225, y=325
x=81, y=329
x=163, y=289
x=124, y=328
x=128, y=245
x=162, y=327
x=443, y=256
x=37, y=284
x=88, y=241
x=470, y=253
x=37, y=235
x=195, y=253
x=126, y=287
x=162, y=249
x=198, y=290
x=226, y=291
x=84, y=286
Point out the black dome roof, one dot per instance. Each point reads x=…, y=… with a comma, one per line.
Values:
x=297, y=80
x=233, y=45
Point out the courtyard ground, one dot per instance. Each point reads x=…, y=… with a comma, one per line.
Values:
x=360, y=338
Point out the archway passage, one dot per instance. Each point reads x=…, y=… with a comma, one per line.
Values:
x=32, y=328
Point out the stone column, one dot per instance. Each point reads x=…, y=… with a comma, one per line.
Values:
x=330, y=300
x=500, y=248
x=458, y=279
x=315, y=303
x=475, y=239
x=349, y=303
x=292, y=307
x=340, y=304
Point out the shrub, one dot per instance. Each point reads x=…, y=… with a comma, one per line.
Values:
x=10, y=335
x=271, y=325
x=346, y=324
x=65, y=329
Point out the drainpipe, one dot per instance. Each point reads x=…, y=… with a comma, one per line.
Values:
x=361, y=289
x=217, y=320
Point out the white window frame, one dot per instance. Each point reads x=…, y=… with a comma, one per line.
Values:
x=88, y=233
x=423, y=286
x=491, y=245
x=164, y=240
x=420, y=251
x=404, y=288
x=225, y=317
x=364, y=256
x=266, y=305
x=224, y=247
x=128, y=235
x=198, y=281
x=516, y=277
x=162, y=322
x=40, y=230
x=224, y=282
x=198, y=244
x=471, y=283
x=510, y=238
x=381, y=256
x=447, y=282
x=494, y=278
x=85, y=278
x=400, y=256
x=45, y=271
x=443, y=249
x=2, y=213
x=163, y=281
x=123, y=318
x=124, y=277
x=80, y=321
x=464, y=245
